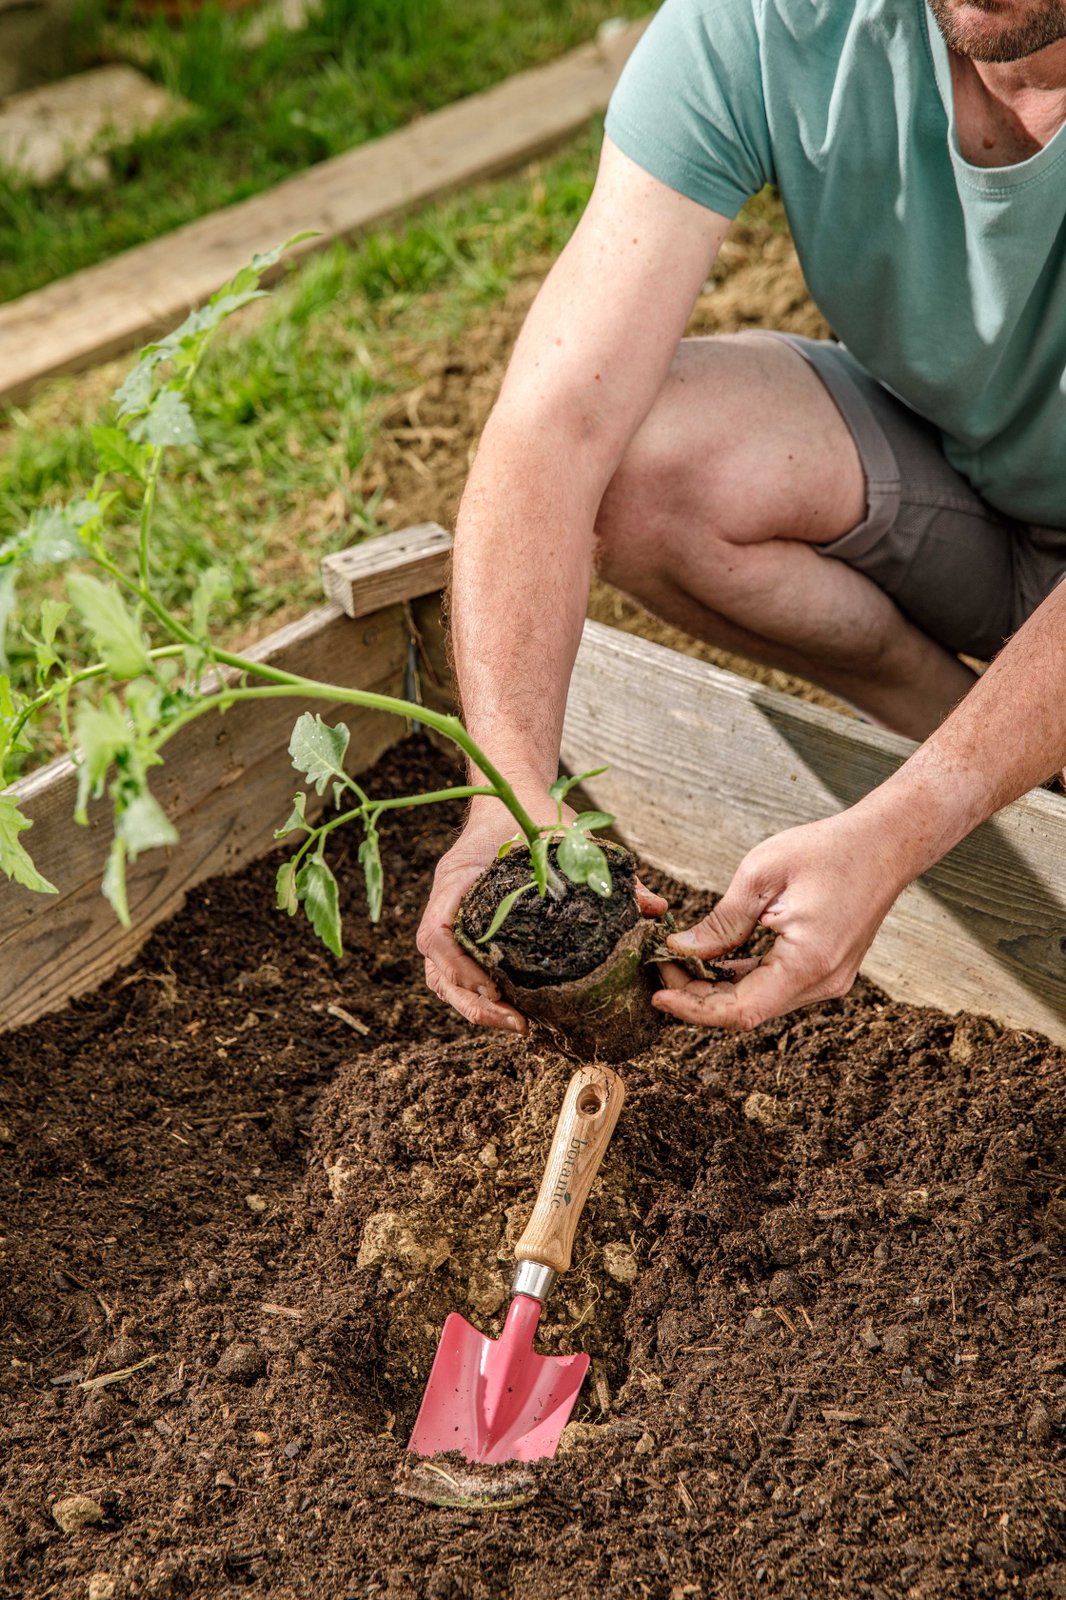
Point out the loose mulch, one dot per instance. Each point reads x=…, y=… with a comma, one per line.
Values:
x=820, y=1278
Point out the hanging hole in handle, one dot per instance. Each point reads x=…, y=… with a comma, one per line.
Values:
x=589, y=1102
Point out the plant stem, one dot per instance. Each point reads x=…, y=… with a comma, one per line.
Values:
x=147, y=508
x=62, y=686
x=284, y=684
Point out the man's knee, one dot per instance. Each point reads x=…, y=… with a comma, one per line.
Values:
x=674, y=479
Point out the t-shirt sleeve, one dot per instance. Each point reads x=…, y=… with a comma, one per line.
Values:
x=689, y=106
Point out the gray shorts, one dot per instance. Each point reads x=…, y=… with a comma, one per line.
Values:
x=964, y=573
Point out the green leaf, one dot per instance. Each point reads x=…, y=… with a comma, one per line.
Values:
x=134, y=394
x=168, y=421
x=538, y=852
x=297, y=820
x=53, y=615
x=583, y=861
x=115, y=632
x=285, y=887
x=562, y=786
x=213, y=584
x=113, y=886
x=317, y=750
x=507, y=846
x=117, y=452
x=370, y=861
x=503, y=910
x=144, y=825
x=15, y=860
x=100, y=733
x=316, y=888
x=269, y=258
x=593, y=819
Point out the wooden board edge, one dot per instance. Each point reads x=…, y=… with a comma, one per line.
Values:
x=403, y=565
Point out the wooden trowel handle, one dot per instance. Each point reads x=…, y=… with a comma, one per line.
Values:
x=582, y=1134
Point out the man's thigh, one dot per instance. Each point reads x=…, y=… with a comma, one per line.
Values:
x=956, y=567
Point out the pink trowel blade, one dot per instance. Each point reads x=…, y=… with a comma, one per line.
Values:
x=496, y=1399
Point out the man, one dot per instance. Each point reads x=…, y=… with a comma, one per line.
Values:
x=861, y=515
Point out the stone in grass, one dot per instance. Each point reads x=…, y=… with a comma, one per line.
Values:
x=76, y=1512
x=64, y=125
x=241, y=1363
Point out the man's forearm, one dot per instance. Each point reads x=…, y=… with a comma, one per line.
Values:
x=520, y=580
x=1004, y=738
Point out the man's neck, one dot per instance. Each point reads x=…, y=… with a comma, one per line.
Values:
x=1006, y=111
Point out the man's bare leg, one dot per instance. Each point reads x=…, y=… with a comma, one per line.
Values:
x=741, y=465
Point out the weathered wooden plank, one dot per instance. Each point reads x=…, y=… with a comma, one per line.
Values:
x=227, y=783
x=397, y=566
x=703, y=765
x=111, y=307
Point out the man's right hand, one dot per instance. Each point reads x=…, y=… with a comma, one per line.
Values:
x=450, y=972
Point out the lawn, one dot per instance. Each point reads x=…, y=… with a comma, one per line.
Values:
x=359, y=69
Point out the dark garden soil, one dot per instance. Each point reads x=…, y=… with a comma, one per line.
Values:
x=821, y=1279
x=551, y=941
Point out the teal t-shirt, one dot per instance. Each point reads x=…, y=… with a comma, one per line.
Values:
x=945, y=280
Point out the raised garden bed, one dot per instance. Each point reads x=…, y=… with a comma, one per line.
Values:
x=820, y=1277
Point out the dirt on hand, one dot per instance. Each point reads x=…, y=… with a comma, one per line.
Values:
x=820, y=1278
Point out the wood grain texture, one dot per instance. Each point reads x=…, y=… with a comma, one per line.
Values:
x=109, y=308
x=704, y=765
x=227, y=784
x=394, y=566
x=586, y=1122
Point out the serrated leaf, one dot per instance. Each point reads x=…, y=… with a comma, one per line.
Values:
x=134, y=393
x=115, y=632
x=15, y=859
x=144, y=825
x=370, y=861
x=316, y=888
x=168, y=421
x=117, y=452
x=317, y=750
x=562, y=786
x=264, y=259
x=593, y=819
x=213, y=584
x=297, y=820
x=53, y=615
x=582, y=860
x=100, y=733
x=113, y=886
x=285, y=887
x=503, y=910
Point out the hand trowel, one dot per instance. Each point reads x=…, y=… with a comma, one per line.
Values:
x=497, y=1400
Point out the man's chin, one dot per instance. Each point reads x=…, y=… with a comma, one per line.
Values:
x=998, y=32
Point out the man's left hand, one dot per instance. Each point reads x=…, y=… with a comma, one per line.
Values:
x=824, y=890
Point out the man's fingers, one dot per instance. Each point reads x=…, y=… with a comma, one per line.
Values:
x=454, y=965
x=769, y=991
x=649, y=903
x=675, y=976
x=733, y=920
x=476, y=1008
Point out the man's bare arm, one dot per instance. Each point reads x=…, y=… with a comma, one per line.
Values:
x=589, y=363
x=825, y=888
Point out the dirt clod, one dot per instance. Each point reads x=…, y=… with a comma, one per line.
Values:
x=76, y=1512
x=241, y=1362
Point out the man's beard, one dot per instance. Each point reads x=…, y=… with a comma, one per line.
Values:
x=1044, y=26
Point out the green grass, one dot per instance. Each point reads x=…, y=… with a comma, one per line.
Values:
x=360, y=69
x=289, y=400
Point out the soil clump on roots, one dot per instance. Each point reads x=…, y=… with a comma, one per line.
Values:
x=820, y=1279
